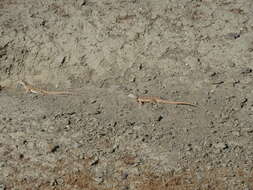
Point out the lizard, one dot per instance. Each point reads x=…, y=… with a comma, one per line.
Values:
x=153, y=99
x=29, y=88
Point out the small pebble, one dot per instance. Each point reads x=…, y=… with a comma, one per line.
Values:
x=55, y=148
x=94, y=161
x=53, y=182
x=160, y=118
x=232, y=35
x=99, y=179
x=243, y=102
x=132, y=78
x=93, y=101
x=189, y=147
x=249, y=130
x=221, y=146
x=125, y=187
x=2, y=164
x=82, y=2
x=124, y=176
x=2, y=187
x=246, y=70
x=21, y=156
x=236, y=133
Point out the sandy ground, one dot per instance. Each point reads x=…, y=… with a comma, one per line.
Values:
x=196, y=51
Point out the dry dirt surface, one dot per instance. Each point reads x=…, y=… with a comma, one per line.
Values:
x=199, y=51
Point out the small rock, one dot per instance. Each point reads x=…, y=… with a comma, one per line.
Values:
x=249, y=130
x=250, y=49
x=231, y=64
x=236, y=133
x=232, y=35
x=81, y=2
x=197, y=148
x=99, y=178
x=125, y=187
x=145, y=91
x=132, y=78
x=221, y=146
x=53, y=182
x=246, y=70
x=124, y=176
x=213, y=74
x=209, y=166
x=114, y=148
x=94, y=161
x=25, y=142
x=189, y=147
x=160, y=118
x=60, y=181
x=43, y=22
x=140, y=67
x=55, y=148
x=186, y=130
x=2, y=164
x=93, y=101
x=236, y=82
x=2, y=187
x=21, y=156
x=67, y=127
x=243, y=102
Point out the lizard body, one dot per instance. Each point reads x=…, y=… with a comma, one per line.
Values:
x=153, y=99
x=29, y=88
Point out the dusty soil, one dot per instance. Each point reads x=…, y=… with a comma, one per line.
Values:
x=196, y=51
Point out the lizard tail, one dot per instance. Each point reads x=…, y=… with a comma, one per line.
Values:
x=60, y=93
x=171, y=102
